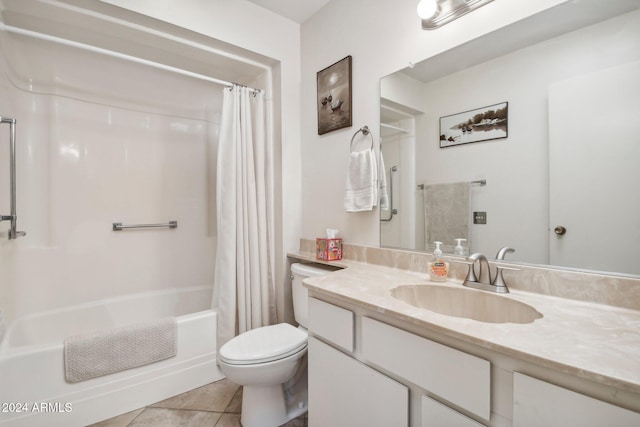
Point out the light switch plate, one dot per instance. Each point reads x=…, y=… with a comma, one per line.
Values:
x=479, y=217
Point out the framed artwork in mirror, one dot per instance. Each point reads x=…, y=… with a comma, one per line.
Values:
x=481, y=124
x=334, y=96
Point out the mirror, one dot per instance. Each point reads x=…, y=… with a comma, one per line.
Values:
x=561, y=188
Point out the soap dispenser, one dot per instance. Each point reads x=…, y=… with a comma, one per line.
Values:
x=438, y=267
x=459, y=249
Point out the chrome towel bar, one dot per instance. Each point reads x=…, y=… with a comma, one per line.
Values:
x=13, y=217
x=118, y=226
x=480, y=182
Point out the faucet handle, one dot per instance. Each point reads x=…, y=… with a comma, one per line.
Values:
x=15, y=234
x=471, y=259
x=503, y=251
x=471, y=274
x=498, y=282
x=471, y=262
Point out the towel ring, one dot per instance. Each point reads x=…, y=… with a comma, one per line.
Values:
x=365, y=131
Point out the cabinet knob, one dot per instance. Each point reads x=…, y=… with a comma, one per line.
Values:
x=560, y=230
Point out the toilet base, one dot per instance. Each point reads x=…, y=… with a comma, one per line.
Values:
x=274, y=405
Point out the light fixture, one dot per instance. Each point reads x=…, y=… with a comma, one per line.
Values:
x=436, y=13
x=427, y=8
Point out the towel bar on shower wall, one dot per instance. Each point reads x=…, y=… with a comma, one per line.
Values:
x=118, y=226
x=13, y=217
x=480, y=182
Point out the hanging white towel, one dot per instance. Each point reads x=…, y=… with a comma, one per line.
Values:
x=361, y=191
x=384, y=195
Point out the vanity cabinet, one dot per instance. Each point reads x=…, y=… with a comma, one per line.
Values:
x=364, y=371
x=369, y=384
x=453, y=375
x=342, y=390
x=539, y=403
x=346, y=393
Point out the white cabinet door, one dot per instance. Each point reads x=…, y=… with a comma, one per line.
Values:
x=435, y=414
x=540, y=404
x=345, y=393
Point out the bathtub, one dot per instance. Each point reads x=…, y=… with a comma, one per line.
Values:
x=33, y=390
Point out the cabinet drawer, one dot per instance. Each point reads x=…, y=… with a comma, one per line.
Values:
x=458, y=377
x=435, y=414
x=332, y=323
x=538, y=403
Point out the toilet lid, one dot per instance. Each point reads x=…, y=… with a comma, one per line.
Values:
x=264, y=344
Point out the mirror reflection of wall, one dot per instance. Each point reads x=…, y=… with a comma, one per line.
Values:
x=517, y=169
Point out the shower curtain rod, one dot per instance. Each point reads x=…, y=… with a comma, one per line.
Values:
x=118, y=55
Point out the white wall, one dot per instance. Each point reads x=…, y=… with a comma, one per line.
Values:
x=382, y=37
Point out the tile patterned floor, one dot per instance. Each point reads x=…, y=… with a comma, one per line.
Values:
x=213, y=405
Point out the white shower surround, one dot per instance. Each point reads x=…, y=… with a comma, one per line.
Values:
x=103, y=140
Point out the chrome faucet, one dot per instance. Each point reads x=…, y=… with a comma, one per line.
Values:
x=485, y=272
x=483, y=280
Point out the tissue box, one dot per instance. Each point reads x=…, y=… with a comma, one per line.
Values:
x=328, y=249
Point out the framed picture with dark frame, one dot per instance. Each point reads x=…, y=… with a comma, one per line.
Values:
x=481, y=124
x=334, y=96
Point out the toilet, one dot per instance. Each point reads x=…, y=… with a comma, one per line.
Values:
x=271, y=364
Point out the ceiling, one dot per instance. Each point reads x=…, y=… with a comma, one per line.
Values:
x=295, y=10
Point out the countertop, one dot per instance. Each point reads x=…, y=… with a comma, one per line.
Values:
x=592, y=341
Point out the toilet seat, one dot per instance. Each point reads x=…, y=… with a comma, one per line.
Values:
x=265, y=344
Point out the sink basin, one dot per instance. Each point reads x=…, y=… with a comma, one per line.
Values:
x=468, y=303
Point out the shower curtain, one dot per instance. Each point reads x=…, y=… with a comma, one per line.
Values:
x=243, y=283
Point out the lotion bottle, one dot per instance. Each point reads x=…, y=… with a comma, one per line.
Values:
x=438, y=267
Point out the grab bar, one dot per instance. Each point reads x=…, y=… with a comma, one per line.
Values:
x=392, y=210
x=13, y=217
x=118, y=226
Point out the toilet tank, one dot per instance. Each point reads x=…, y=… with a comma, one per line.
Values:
x=299, y=272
